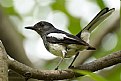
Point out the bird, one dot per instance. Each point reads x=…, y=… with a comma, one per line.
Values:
x=66, y=45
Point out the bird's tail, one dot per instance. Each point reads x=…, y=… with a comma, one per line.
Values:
x=100, y=17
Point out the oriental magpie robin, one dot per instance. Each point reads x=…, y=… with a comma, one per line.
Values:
x=65, y=45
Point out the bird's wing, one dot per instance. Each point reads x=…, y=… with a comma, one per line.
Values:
x=64, y=39
x=100, y=17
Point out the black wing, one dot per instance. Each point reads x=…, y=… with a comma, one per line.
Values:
x=64, y=38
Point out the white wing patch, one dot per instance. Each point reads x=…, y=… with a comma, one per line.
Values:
x=59, y=36
x=85, y=36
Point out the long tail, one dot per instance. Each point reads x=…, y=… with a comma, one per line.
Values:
x=100, y=17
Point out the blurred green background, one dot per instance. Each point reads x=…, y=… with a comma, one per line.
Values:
x=68, y=15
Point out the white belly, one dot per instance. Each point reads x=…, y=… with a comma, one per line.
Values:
x=57, y=49
x=60, y=50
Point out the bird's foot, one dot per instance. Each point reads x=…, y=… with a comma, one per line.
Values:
x=56, y=68
x=27, y=76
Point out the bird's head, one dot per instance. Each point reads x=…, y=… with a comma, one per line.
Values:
x=41, y=27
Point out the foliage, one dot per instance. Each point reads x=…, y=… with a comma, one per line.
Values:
x=91, y=75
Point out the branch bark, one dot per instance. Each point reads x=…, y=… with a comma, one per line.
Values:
x=3, y=64
x=101, y=63
x=25, y=70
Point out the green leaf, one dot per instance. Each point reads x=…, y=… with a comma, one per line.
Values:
x=7, y=6
x=91, y=75
x=10, y=11
x=114, y=73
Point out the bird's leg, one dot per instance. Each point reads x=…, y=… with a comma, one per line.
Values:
x=64, y=55
x=59, y=63
x=70, y=66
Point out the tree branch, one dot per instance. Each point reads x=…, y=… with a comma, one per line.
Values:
x=3, y=64
x=98, y=64
x=101, y=63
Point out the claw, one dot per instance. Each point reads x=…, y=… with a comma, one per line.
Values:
x=56, y=68
x=27, y=76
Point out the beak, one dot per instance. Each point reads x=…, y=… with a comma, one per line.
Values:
x=30, y=27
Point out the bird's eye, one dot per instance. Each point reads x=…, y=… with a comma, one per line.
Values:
x=39, y=28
